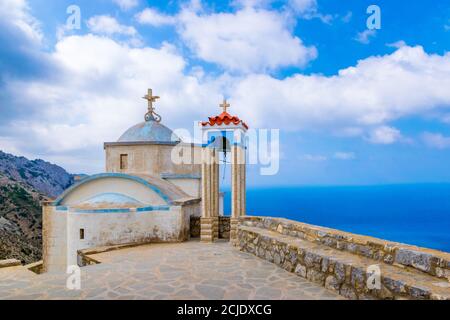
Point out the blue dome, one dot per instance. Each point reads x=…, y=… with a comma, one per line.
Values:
x=149, y=131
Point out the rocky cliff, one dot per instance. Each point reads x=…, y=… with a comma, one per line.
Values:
x=23, y=185
x=46, y=178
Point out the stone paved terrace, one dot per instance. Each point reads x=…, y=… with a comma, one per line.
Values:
x=189, y=270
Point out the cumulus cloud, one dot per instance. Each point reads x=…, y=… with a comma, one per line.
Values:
x=348, y=132
x=105, y=24
x=364, y=36
x=17, y=13
x=126, y=4
x=436, y=140
x=94, y=93
x=248, y=40
x=251, y=3
x=303, y=6
x=303, y=9
x=308, y=9
x=154, y=18
x=97, y=95
x=397, y=44
x=385, y=135
x=347, y=17
x=359, y=96
x=251, y=39
x=20, y=38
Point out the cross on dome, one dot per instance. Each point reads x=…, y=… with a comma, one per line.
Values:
x=150, y=115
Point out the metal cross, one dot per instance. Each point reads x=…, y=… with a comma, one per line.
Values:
x=150, y=98
x=151, y=114
x=224, y=105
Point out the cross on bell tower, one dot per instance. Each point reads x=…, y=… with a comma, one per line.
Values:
x=151, y=115
x=224, y=105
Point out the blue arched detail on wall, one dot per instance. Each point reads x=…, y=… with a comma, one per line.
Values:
x=140, y=180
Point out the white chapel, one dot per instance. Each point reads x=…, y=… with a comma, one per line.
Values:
x=144, y=196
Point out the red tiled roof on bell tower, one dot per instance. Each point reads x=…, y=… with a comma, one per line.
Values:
x=224, y=117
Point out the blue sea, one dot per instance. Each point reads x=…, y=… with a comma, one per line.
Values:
x=416, y=214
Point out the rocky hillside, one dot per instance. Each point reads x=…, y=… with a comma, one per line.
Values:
x=23, y=185
x=47, y=178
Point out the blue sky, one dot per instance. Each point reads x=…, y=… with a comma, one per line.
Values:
x=354, y=106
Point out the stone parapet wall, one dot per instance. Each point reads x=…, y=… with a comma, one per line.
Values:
x=351, y=275
x=432, y=262
x=10, y=263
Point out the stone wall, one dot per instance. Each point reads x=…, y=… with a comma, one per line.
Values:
x=54, y=239
x=152, y=159
x=224, y=227
x=344, y=262
x=433, y=262
x=9, y=263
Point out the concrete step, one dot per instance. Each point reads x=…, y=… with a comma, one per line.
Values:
x=349, y=274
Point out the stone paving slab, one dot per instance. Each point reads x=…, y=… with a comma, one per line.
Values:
x=188, y=270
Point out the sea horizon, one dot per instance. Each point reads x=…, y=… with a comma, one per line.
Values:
x=410, y=213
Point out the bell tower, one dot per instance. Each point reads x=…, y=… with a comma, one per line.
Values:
x=222, y=134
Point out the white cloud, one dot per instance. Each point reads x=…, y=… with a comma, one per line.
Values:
x=97, y=95
x=303, y=6
x=313, y=157
x=251, y=39
x=152, y=17
x=108, y=25
x=126, y=4
x=397, y=44
x=374, y=92
x=252, y=3
x=340, y=155
x=385, y=135
x=248, y=40
x=349, y=132
x=364, y=36
x=436, y=140
x=308, y=9
x=17, y=13
x=304, y=9
x=348, y=16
